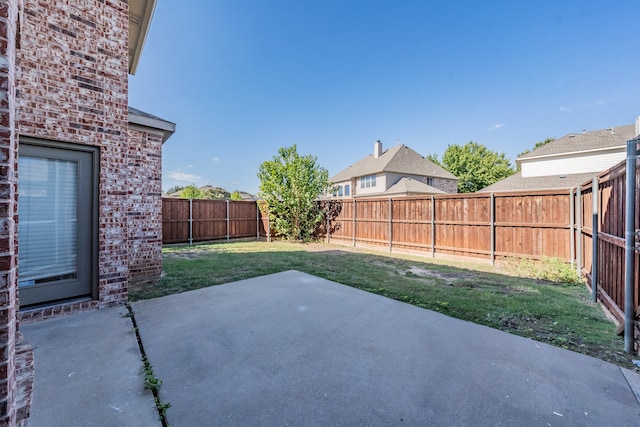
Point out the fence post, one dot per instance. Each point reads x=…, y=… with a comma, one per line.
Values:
x=227, y=221
x=493, y=228
x=630, y=247
x=594, y=239
x=327, y=212
x=433, y=226
x=354, y=223
x=268, y=226
x=572, y=231
x=390, y=225
x=257, y=222
x=190, y=222
x=579, y=230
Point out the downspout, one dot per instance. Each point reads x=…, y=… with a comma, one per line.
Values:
x=630, y=247
x=594, y=241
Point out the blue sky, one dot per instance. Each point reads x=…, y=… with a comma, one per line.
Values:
x=241, y=78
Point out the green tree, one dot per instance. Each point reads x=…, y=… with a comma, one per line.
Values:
x=174, y=189
x=235, y=196
x=290, y=184
x=475, y=165
x=191, y=192
x=215, y=193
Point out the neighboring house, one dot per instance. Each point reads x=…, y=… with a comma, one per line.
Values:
x=85, y=213
x=397, y=171
x=247, y=197
x=569, y=161
x=244, y=196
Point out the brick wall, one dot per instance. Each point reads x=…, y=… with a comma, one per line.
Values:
x=446, y=185
x=8, y=257
x=72, y=79
x=145, y=208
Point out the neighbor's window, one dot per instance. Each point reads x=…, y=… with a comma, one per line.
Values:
x=368, y=181
x=346, y=190
x=429, y=181
x=340, y=191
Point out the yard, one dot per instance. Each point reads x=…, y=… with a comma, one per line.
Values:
x=556, y=313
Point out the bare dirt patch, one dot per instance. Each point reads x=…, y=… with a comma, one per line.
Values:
x=448, y=276
x=190, y=254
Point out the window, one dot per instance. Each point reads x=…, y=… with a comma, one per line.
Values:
x=340, y=191
x=48, y=217
x=429, y=180
x=347, y=190
x=368, y=181
x=58, y=221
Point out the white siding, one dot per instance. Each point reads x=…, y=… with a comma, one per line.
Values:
x=575, y=163
x=343, y=184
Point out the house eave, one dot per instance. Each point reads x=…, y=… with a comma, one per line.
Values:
x=571, y=153
x=140, y=14
x=167, y=128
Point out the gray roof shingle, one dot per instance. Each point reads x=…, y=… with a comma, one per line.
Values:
x=408, y=185
x=400, y=159
x=577, y=142
x=517, y=182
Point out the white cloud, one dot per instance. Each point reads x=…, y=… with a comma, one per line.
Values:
x=496, y=126
x=598, y=103
x=184, y=177
x=564, y=108
x=215, y=159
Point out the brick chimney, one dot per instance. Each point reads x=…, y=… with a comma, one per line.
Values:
x=377, y=147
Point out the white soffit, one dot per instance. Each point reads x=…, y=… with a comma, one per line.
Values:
x=140, y=14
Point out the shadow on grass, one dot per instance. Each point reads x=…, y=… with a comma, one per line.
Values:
x=560, y=315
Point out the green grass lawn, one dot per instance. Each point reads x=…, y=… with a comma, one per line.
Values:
x=555, y=313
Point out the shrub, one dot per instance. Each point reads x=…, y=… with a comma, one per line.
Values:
x=552, y=269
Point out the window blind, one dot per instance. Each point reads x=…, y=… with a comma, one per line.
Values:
x=47, y=227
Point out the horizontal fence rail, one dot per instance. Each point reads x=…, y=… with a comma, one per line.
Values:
x=188, y=221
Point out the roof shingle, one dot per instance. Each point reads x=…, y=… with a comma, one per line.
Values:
x=400, y=159
x=577, y=142
x=517, y=182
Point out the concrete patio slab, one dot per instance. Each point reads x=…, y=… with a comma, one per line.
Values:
x=294, y=349
x=89, y=372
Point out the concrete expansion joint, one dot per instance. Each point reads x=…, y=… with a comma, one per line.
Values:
x=633, y=379
x=151, y=382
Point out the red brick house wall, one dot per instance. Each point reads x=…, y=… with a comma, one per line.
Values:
x=8, y=261
x=72, y=83
x=145, y=205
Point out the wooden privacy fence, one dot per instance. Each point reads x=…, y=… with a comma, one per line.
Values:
x=483, y=225
x=188, y=221
x=609, y=215
x=489, y=226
